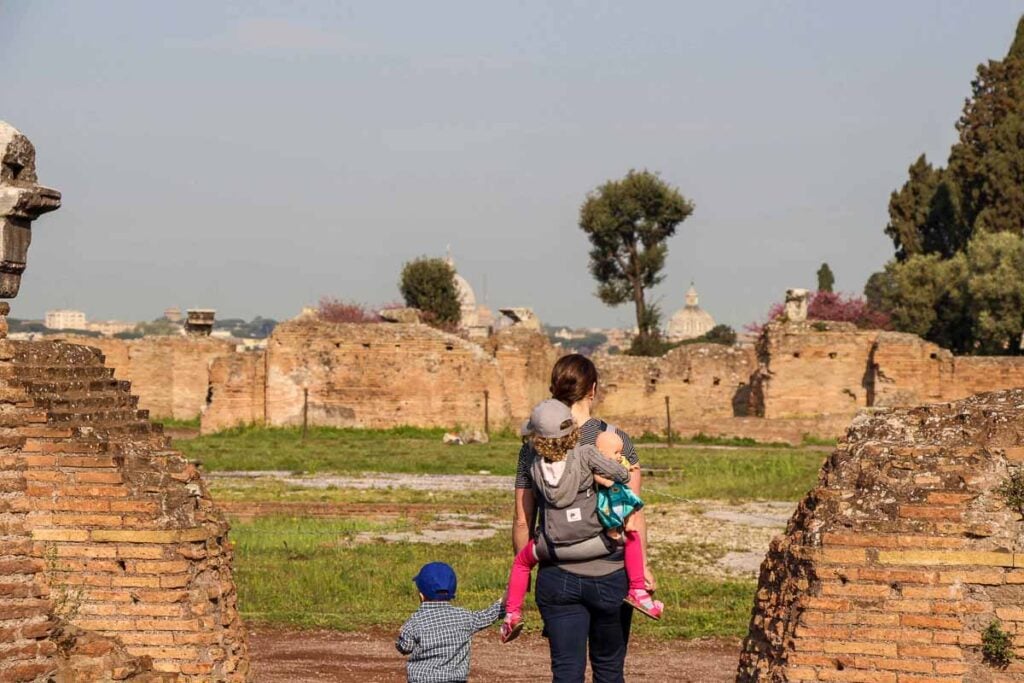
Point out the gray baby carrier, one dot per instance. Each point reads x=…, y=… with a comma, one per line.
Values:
x=571, y=532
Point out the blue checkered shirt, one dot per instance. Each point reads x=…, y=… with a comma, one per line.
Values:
x=436, y=638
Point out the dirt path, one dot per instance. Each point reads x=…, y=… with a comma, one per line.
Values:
x=294, y=656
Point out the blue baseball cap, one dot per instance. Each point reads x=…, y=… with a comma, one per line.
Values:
x=436, y=581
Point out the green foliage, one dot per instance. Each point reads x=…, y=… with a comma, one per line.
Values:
x=878, y=286
x=628, y=223
x=996, y=645
x=995, y=292
x=1012, y=491
x=826, y=280
x=157, y=328
x=944, y=218
x=970, y=303
x=720, y=334
x=429, y=285
x=651, y=345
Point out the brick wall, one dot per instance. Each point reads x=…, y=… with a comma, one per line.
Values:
x=894, y=565
x=124, y=539
x=705, y=383
x=379, y=375
x=169, y=374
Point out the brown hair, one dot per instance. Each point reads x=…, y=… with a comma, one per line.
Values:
x=572, y=378
x=554, y=450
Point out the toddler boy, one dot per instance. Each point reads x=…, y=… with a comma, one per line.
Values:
x=437, y=636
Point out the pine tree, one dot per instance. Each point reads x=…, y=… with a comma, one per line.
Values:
x=826, y=280
x=958, y=277
x=987, y=162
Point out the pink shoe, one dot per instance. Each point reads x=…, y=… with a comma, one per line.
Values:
x=642, y=601
x=511, y=627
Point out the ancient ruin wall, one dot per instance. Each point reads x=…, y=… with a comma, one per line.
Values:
x=814, y=369
x=706, y=384
x=169, y=374
x=237, y=393
x=894, y=565
x=379, y=375
x=125, y=537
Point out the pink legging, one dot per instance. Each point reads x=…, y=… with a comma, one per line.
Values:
x=526, y=560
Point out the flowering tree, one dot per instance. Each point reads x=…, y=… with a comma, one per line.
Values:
x=833, y=307
x=338, y=311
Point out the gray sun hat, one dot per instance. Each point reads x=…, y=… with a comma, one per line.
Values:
x=550, y=419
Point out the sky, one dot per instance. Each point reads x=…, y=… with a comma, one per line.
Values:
x=254, y=157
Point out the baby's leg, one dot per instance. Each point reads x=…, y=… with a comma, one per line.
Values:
x=519, y=578
x=634, y=561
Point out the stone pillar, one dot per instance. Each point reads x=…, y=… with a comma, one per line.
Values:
x=796, y=305
x=22, y=200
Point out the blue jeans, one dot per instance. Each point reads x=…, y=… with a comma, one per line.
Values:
x=582, y=610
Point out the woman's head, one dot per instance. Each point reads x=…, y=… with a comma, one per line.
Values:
x=573, y=378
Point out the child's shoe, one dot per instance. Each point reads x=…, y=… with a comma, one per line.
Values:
x=511, y=627
x=641, y=600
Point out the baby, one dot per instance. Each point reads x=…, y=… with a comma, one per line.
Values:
x=616, y=504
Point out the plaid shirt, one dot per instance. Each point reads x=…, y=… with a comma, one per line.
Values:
x=436, y=638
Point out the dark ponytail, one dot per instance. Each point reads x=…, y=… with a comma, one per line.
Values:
x=572, y=378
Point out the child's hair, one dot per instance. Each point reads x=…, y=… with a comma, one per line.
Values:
x=554, y=450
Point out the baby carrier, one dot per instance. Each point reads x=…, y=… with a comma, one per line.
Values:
x=571, y=531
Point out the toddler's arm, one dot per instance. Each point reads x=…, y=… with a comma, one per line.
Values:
x=605, y=468
x=407, y=638
x=486, y=617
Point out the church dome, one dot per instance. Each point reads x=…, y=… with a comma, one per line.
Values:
x=691, y=320
x=467, y=298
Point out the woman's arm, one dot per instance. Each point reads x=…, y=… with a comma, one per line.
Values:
x=524, y=519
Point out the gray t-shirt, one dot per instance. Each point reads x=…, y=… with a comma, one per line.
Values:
x=589, y=432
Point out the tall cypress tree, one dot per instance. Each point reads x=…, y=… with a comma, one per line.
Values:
x=953, y=280
x=987, y=163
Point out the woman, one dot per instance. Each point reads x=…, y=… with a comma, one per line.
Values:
x=581, y=603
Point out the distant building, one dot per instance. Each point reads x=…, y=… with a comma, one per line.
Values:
x=65, y=319
x=109, y=328
x=173, y=314
x=691, y=320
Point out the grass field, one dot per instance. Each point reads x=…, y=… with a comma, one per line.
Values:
x=335, y=572
x=314, y=573
x=690, y=471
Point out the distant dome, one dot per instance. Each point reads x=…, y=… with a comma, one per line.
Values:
x=691, y=320
x=467, y=299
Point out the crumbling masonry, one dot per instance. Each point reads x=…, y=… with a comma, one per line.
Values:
x=114, y=562
x=909, y=547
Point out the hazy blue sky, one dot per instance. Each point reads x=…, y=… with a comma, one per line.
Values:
x=255, y=156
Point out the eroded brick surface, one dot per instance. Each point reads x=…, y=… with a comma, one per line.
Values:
x=893, y=566
x=116, y=564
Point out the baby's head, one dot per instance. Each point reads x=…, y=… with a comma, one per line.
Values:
x=551, y=430
x=610, y=444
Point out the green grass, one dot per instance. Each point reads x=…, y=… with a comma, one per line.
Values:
x=270, y=490
x=746, y=474
x=172, y=423
x=348, y=450
x=780, y=473
x=310, y=573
